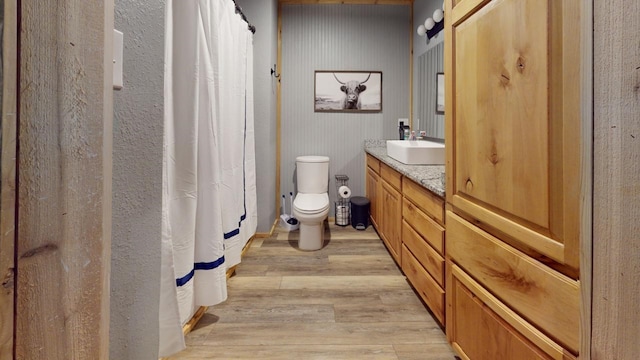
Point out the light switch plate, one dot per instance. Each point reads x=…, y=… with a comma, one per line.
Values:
x=118, y=40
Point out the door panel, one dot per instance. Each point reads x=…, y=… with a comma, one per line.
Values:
x=513, y=100
x=548, y=299
x=372, y=195
x=392, y=218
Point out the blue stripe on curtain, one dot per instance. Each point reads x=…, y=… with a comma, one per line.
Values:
x=199, y=266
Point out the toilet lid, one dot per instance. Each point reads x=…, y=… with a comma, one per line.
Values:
x=311, y=203
x=312, y=159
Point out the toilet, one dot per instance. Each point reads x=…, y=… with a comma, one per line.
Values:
x=311, y=205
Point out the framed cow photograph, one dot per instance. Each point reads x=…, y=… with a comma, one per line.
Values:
x=348, y=91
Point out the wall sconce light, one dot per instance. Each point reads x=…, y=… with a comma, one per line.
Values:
x=433, y=25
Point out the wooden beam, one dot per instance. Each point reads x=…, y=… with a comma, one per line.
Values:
x=107, y=170
x=64, y=176
x=278, y=112
x=8, y=178
x=616, y=199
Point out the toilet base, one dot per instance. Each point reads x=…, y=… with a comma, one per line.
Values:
x=311, y=236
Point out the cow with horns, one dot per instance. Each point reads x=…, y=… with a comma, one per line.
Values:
x=352, y=90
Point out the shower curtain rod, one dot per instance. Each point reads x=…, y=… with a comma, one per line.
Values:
x=239, y=11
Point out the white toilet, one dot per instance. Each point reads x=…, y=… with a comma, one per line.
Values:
x=311, y=205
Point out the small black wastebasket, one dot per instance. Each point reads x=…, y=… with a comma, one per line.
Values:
x=360, y=212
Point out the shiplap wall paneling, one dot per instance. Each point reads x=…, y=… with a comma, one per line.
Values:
x=340, y=37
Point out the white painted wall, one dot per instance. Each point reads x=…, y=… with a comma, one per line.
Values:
x=137, y=182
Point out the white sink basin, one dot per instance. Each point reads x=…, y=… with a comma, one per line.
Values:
x=416, y=152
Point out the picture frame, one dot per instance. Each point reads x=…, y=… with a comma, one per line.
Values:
x=439, y=93
x=347, y=91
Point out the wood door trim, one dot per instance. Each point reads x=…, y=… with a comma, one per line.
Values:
x=616, y=200
x=586, y=176
x=64, y=166
x=8, y=179
x=278, y=115
x=465, y=9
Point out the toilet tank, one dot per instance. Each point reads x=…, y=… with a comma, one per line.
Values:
x=312, y=174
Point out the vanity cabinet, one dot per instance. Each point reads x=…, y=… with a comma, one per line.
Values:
x=371, y=189
x=383, y=186
x=477, y=322
x=513, y=177
x=423, y=245
x=410, y=220
x=391, y=210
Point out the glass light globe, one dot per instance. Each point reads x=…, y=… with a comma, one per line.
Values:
x=438, y=15
x=429, y=24
x=421, y=30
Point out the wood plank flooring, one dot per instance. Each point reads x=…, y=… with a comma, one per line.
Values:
x=348, y=300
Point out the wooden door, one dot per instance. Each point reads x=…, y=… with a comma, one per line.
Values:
x=476, y=331
x=513, y=83
x=392, y=218
x=372, y=195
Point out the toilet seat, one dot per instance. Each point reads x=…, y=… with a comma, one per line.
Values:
x=311, y=203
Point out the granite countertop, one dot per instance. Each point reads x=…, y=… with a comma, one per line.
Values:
x=429, y=176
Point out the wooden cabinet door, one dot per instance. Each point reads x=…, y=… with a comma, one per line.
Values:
x=479, y=327
x=512, y=70
x=372, y=195
x=391, y=216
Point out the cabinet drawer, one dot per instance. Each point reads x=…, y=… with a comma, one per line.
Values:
x=424, y=253
x=545, y=297
x=429, y=290
x=430, y=230
x=373, y=163
x=480, y=327
x=391, y=176
x=430, y=203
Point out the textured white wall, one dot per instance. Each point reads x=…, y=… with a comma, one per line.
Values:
x=340, y=37
x=137, y=182
x=264, y=16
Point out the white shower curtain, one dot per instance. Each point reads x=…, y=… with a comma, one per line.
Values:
x=209, y=194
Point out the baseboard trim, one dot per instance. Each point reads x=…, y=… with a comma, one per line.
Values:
x=270, y=233
x=203, y=309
